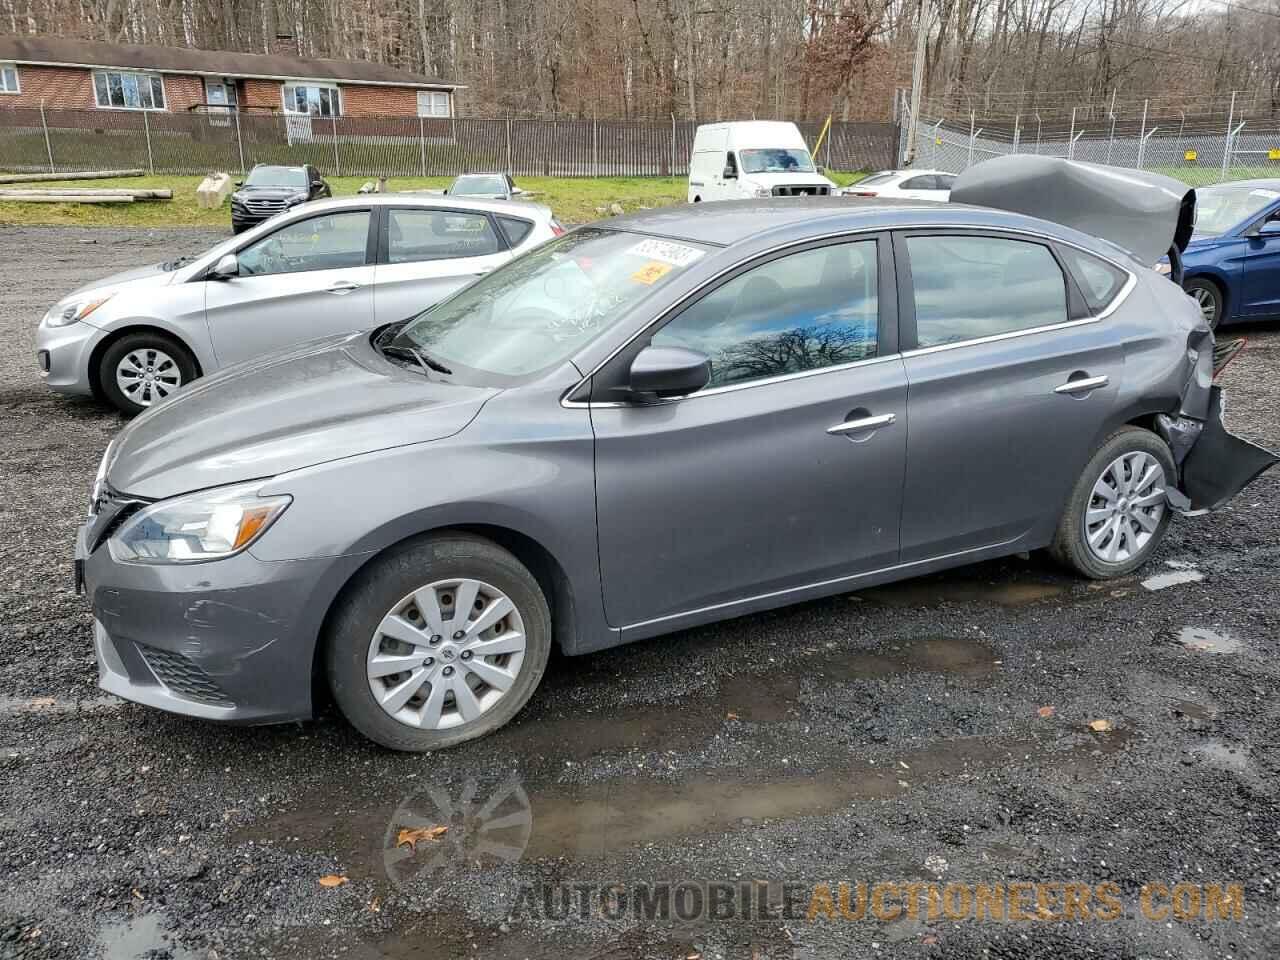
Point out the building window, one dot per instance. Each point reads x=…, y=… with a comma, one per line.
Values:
x=128, y=91
x=313, y=99
x=9, y=78
x=432, y=103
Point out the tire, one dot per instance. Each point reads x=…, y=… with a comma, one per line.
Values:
x=174, y=367
x=432, y=567
x=1136, y=451
x=1210, y=298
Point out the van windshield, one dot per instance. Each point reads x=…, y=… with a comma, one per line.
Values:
x=540, y=308
x=775, y=160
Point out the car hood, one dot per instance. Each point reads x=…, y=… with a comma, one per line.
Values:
x=786, y=179
x=153, y=275
x=324, y=400
x=270, y=193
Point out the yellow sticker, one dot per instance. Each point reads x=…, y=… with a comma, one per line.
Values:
x=1273, y=154
x=651, y=272
x=1190, y=155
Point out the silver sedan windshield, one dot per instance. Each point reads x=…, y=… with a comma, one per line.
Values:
x=539, y=309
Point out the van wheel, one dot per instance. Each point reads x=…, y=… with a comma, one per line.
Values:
x=141, y=369
x=438, y=642
x=1117, y=514
x=697, y=199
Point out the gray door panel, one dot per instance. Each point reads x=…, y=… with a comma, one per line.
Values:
x=724, y=496
x=994, y=448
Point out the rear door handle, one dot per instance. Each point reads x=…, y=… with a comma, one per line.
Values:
x=342, y=287
x=862, y=424
x=1083, y=385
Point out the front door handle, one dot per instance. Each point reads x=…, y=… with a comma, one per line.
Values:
x=1082, y=385
x=342, y=287
x=862, y=424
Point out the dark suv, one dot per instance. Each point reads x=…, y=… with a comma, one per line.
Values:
x=268, y=190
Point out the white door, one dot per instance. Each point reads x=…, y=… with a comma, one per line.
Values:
x=311, y=278
x=428, y=253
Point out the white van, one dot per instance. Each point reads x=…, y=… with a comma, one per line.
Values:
x=752, y=158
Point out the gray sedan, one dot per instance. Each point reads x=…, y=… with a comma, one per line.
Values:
x=648, y=424
x=330, y=266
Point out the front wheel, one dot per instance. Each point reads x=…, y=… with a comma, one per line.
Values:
x=438, y=642
x=141, y=369
x=1117, y=513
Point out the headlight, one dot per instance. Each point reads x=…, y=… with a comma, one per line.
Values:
x=70, y=311
x=201, y=526
x=1163, y=268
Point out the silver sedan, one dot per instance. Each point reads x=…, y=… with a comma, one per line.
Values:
x=333, y=266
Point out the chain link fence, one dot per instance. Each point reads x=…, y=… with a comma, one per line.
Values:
x=37, y=140
x=1196, y=150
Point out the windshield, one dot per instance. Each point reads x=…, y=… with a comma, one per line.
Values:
x=1220, y=208
x=277, y=177
x=775, y=160
x=540, y=308
x=487, y=186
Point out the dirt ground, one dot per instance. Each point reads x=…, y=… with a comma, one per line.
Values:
x=896, y=735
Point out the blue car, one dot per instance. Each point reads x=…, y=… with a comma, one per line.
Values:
x=1232, y=264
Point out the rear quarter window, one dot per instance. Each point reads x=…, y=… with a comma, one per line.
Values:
x=515, y=229
x=1099, y=281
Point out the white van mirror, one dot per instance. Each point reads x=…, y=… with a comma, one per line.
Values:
x=730, y=172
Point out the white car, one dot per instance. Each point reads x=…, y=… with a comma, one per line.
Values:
x=903, y=185
x=321, y=268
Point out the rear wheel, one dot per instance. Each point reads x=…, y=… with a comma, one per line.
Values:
x=438, y=642
x=1208, y=295
x=141, y=369
x=1117, y=514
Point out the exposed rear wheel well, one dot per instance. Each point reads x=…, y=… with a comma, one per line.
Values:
x=95, y=359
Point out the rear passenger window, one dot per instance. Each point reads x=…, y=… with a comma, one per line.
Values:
x=1099, y=280
x=920, y=183
x=420, y=234
x=801, y=312
x=515, y=229
x=972, y=287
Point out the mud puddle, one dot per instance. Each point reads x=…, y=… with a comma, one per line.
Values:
x=492, y=823
x=1204, y=640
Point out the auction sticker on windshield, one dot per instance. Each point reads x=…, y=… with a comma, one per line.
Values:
x=651, y=272
x=667, y=251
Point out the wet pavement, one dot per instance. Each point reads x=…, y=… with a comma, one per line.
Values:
x=1000, y=724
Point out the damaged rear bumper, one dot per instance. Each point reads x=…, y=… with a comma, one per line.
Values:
x=1213, y=464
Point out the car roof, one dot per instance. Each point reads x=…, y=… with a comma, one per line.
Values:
x=723, y=223
x=517, y=208
x=1261, y=183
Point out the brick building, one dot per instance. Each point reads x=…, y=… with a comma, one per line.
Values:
x=88, y=75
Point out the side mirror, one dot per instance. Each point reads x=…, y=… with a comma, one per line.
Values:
x=226, y=268
x=1270, y=227
x=669, y=371
x=239, y=183
x=317, y=184
x=729, y=173
x=516, y=191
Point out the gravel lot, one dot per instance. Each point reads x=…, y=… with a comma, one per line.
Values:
x=894, y=734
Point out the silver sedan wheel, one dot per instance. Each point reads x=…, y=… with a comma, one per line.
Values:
x=1208, y=304
x=446, y=654
x=1125, y=507
x=147, y=375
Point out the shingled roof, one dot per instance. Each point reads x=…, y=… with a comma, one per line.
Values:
x=218, y=63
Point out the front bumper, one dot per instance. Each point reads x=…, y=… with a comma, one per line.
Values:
x=63, y=356
x=230, y=640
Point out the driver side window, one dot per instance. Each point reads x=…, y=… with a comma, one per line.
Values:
x=335, y=241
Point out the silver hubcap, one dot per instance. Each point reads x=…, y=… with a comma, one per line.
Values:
x=1125, y=507
x=1208, y=306
x=145, y=376
x=445, y=654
